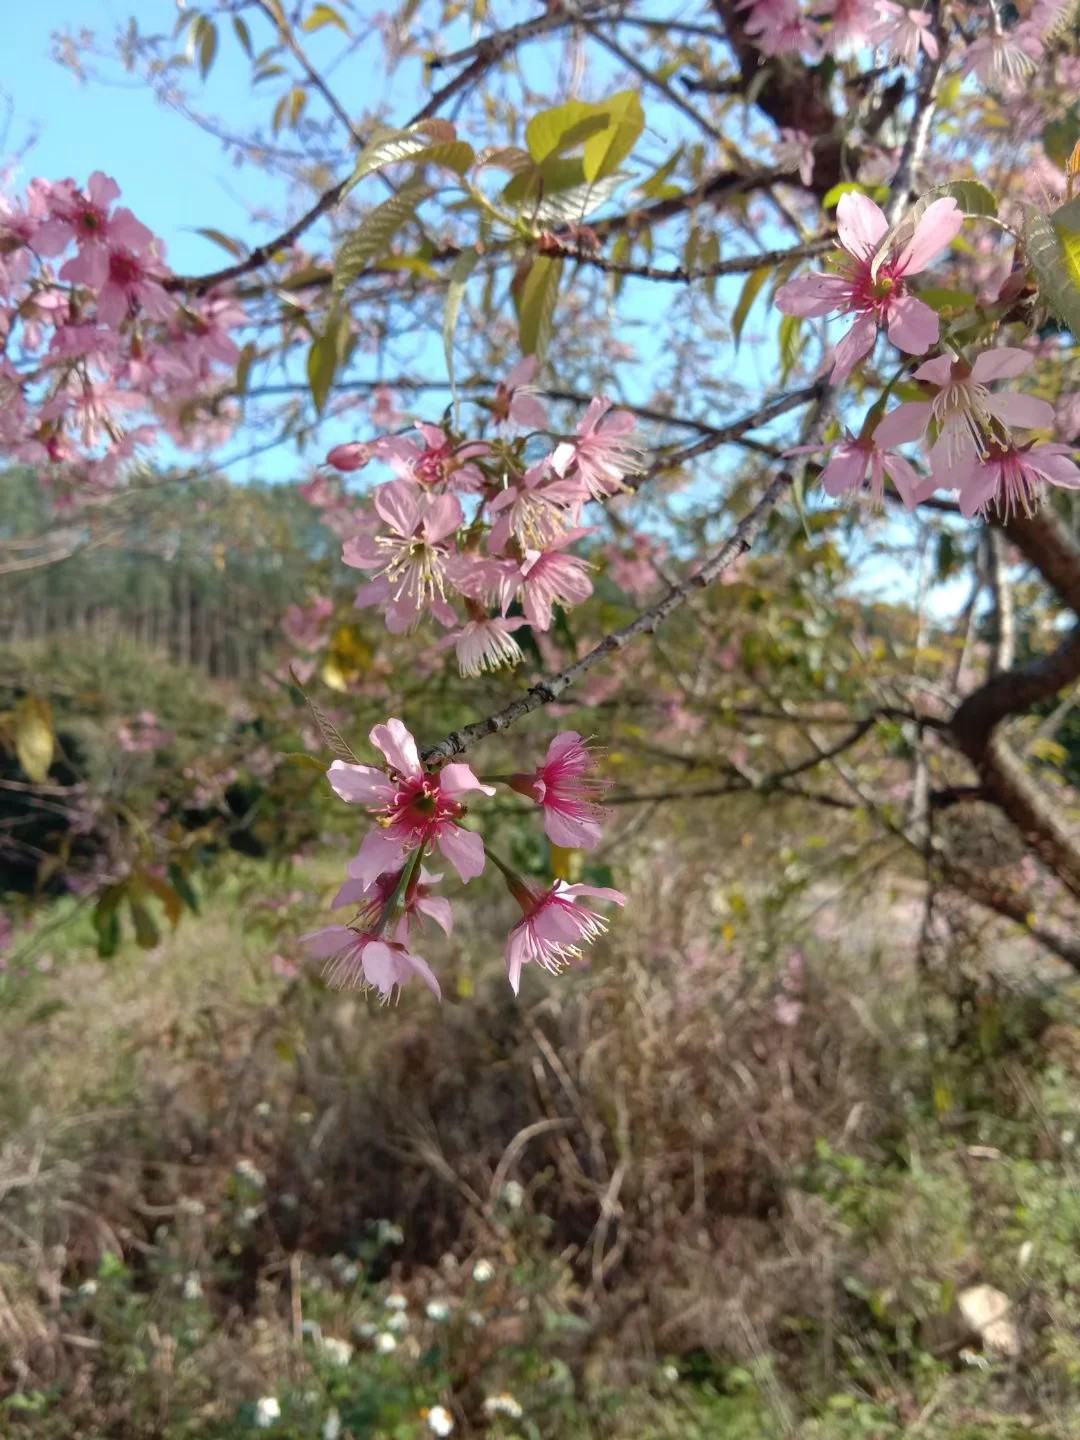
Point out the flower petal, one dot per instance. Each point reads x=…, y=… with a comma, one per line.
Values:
x=360, y=784
x=1004, y=363
x=861, y=224
x=455, y=780
x=859, y=341
x=906, y=422
x=938, y=226
x=464, y=849
x=1017, y=409
x=380, y=851
x=398, y=745
x=913, y=326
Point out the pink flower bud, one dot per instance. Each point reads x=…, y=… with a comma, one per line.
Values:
x=353, y=456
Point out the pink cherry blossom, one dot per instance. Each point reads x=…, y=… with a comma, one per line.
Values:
x=485, y=644
x=438, y=464
x=1011, y=479
x=515, y=402
x=554, y=926
x=603, y=453
x=374, y=907
x=859, y=466
x=414, y=809
x=902, y=31
x=305, y=626
x=969, y=417
x=872, y=286
x=794, y=151
x=780, y=27
x=548, y=578
x=413, y=573
x=1004, y=59
x=532, y=509
x=357, y=958
x=568, y=788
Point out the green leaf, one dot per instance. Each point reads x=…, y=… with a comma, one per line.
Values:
x=462, y=268
x=35, y=740
x=375, y=233
x=561, y=128
x=170, y=900
x=456, y=155
x=536, y=305
x=106, y=919
x=606, y=150
x=388, y=147
x=234, y=247
x=941, y=299
x=184, y=888
x=972, y=196
x=791, y=327
x=147, y=934
x=208, y=43
x=832, y=197
x=1051, y=247
x=325, y=356
x=750, y=291
x=657, y=187
x=1059, y=137
x=576, y=204
x=243, y=34
x=324, y=15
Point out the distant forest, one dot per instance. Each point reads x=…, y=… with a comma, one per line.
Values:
x=200, y=573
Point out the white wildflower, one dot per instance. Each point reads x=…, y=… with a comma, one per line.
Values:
x=396, y=1301
x=437, y=1310
x=267, y=1411
x=245, y=1170
x=338, y=1352
x=440, y=1421
x=385, y=1343
x=483, y=1272
x=503, y=1404
x=192, y=1289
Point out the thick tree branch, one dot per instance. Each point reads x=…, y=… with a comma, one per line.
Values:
x=548, y=691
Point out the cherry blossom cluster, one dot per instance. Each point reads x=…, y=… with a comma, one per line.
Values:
x=469, y=527
x=417, y=812
x=968, y=429
x=997, y=56
x=97, y=358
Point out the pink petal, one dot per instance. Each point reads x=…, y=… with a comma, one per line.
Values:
x=861, y=224
x=438, y=908
x=1026, y=410
x=360, y=784
x=329, y=942
x=1055, y=464
x=907, y=480
x=937, y=371
x=455, y=780
x=444, y=515
x=859, y=341
x=1004, y=363
x=419, y=966
x=906, y=422
x=396, y=504
x=845, y=471
x=938, y=226
x=464, y=849
x=598, y=892
x=812, y=295
x=382, y=967
x=398, y=745
x=517, y=953
x=913, y=326
x=380, y=852
x=350, y=893
x=571, y=832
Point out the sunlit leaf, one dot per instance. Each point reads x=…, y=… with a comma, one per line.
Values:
x=35, y=740
x=608, y=148
x=374, y=235
x=752, y=287
x=324, y=15
x=536, y=304
x=455, y=294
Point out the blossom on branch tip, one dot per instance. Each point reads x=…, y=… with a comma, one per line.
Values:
x=568, y=788
x=872, y=285
x=485, y=644
x=603, y=454
x=902, y=32
x=968, y=416
x=554, y=926
x=357, y=958
x=412, y=560
x=515, y=401
x=548, y=578
x=1010, y=479
x=414, y=809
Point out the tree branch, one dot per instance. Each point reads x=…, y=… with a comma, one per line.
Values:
x=548, y=691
